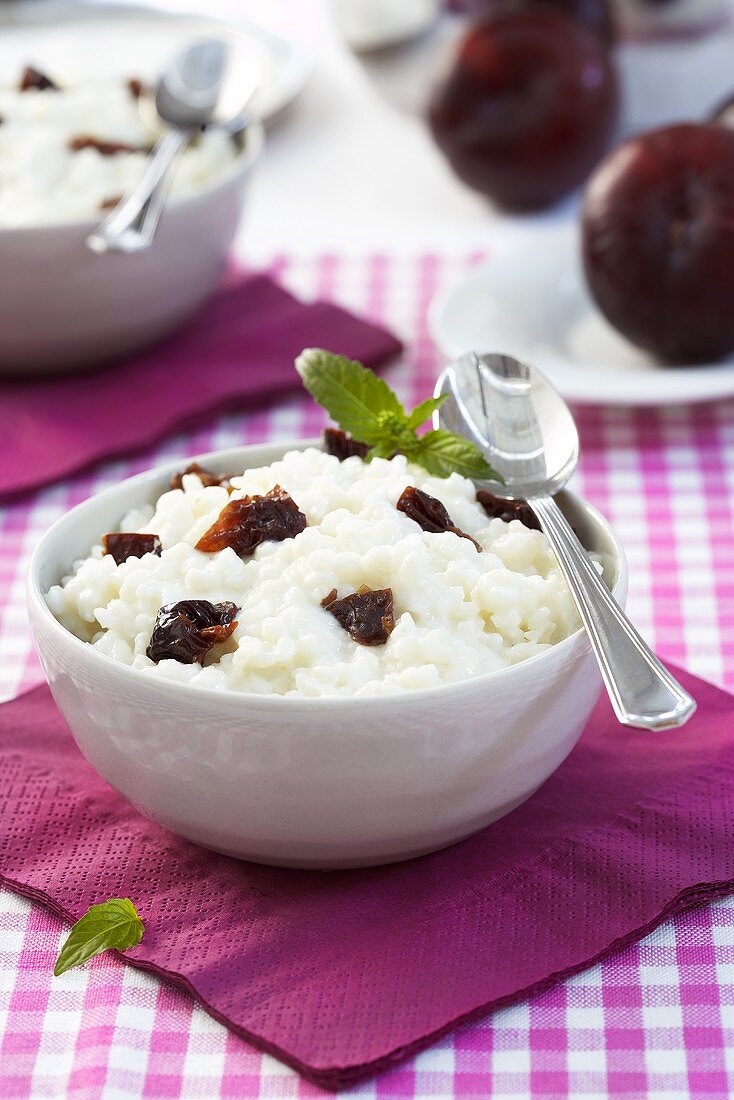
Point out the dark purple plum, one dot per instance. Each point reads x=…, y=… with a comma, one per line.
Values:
x=658, y=241
x=527, y=108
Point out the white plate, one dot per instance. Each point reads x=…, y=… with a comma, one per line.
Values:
x=530, y=300
x=368, y=25
x=74, y=40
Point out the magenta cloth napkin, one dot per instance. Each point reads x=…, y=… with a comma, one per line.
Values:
x=343, y=974
x=238, y=352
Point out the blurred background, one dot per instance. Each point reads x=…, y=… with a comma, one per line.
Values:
x=355, y=164
x=466, y=126
x=351, y=162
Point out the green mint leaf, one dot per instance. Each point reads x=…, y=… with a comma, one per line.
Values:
x=426, y=409
x=353, y=396
x=385, y=449
x=397, y=437
x=113, y=923
x=443, y=453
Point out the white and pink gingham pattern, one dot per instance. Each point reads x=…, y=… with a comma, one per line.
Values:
x=654, y=1021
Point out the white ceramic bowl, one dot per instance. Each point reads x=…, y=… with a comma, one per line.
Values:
x=65, y=308
x=320, y=783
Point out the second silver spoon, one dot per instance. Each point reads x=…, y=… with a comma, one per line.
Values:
x=202, y=86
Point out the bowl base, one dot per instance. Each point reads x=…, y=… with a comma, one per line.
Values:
x=326, y=862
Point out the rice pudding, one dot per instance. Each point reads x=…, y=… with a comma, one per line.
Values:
x=69, y=152
x=305, y=577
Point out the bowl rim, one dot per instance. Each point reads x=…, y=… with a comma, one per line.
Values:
x=36, y=601
x=240, y=165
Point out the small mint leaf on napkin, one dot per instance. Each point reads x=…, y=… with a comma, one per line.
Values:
x=113, y=923
x=353, y=396
x=443, y=453
x=364, y=406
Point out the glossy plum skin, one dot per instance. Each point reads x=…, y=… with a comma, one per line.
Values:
x=658, y=241
x=594, y=14
x=527, y=107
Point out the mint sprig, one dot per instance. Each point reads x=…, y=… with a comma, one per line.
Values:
x=360, y=402
x=364, y=406
x=443, y=453
x=113, y=923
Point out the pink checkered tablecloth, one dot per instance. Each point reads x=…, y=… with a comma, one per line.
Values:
x=656, y=1020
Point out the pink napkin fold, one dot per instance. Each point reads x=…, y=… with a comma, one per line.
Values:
x=344, y=974
x=237, y=352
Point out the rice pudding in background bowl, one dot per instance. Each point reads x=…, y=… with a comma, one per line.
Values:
x=288, y=740
x=68, y=151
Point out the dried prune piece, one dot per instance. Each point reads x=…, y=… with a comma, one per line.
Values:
x=34, y=78
x=341, y=445
x=135, y=87
x=187, y=630
x=429, y=513
x=206, y=477
x=246, y=522
x=497, y=508
x=104, y=148
x=366, y=615
x=122, y=545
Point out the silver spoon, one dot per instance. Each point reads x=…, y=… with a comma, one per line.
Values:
x=202, y=86
x=527, y=433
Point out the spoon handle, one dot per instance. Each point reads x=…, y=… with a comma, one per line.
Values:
x=641, y=690
x=131, y=226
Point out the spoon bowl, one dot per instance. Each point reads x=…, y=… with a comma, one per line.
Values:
x=511, y=412
x=205, y=85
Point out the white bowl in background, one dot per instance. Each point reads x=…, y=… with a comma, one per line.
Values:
x=64, y=308
x=319, y=783
x=379, y=24
x=78, y=39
